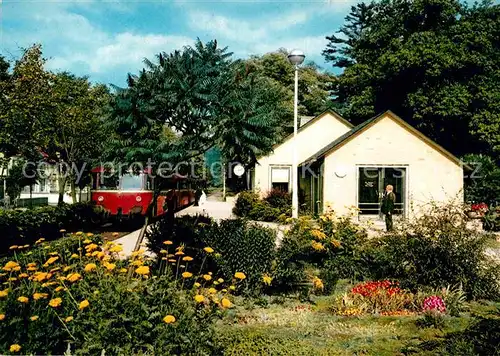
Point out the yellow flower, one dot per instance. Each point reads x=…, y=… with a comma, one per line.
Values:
x=40, y=276
x=137, y=263
x=240, y=275
x=51, y=260
x=226, y=303
x=179, y=253
x=89, y=234
x=55, y=302
x=199, y=298
x=39, y=241
x=60, y=288
x=109, y=266
x=220, y=280
x=32, y=269
x=15, y=348
x=31, y=264
x=207, y=277
x=53, y=253
x=68, y=319
x=12, y=279
x=23, y=299
x=143, y=270
x=116, y=249
x=172, y=260
x=336, y=243
x=320, y=235
x=169, y=319
x=26, y=246
x=115, y=234
x=67, y=268
x=208, y=250
x=167, y=242
x=232, y=287
x=91, y=247
x=212, y=290
x=317, y=283
x=2, y=317
x=38, y=296
x=23, y=275
x=75, y=256
x=318, y=246
x=267, y=279
x=83, y=304
x=164, y=252
x=123, y=270
x=197, y=285
x=13, y=247
x=87, y=241
x=17, y=269
x=90, y=267
x=10, y=265
x=34, y=318
x=73, y=277
x=187, y=258
x=187, y=275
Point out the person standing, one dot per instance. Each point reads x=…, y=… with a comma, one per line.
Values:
x=387, y=207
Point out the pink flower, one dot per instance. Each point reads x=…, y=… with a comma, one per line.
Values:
x=434, y=303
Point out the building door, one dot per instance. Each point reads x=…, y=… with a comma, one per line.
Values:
x=371, y=186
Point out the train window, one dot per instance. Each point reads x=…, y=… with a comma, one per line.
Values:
x=108, y=183
x=132, y=181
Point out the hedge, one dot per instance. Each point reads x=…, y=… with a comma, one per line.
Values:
x=20, y=228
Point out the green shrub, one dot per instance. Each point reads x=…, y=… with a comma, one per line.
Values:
x=125, y=311
x=245, y=203
x=25, y=227
x=491, y=220
x=273, y=207
x=239, y=247
x=331, y=245
x=437, y=250
x=279, y=199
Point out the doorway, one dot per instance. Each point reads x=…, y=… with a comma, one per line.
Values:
x=371, y=186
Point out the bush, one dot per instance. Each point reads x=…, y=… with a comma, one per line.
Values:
x=437, y=250
x=25, y=227
x=238, y=245
x=491, y=220
x=275, y=206
x=123, y=310
x=245, y=203
x=331, y=245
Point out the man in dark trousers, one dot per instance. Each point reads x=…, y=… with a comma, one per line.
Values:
x=388, y=206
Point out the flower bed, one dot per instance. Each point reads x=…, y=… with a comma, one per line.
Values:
x=76, y=294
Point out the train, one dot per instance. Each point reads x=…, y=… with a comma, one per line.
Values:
x=130, y=194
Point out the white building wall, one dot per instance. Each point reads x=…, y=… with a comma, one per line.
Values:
x=431, y=176
x=310, y=139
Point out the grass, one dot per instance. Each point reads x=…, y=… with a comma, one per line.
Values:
x=294, y=328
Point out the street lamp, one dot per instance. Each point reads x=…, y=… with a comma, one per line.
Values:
x=296, y=57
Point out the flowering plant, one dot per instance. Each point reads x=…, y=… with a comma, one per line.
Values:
x=434, y=303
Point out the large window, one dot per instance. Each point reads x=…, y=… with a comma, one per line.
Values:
x=371, y=186
x=132, y=181
x=280, y=178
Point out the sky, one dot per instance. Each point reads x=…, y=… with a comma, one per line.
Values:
x=105, y=40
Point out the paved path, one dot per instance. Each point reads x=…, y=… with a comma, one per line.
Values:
x=217, y=210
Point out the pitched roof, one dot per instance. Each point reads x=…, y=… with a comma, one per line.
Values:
x=316, y=118
x=357, y=130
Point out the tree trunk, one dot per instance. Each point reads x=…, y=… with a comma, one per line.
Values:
x=73, y=191
x=62, y=187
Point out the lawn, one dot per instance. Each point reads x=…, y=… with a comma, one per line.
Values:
x=288, y=327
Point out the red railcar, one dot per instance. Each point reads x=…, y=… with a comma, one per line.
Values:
x=130, y=194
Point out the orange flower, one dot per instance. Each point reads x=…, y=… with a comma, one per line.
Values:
x=226, y=303
x=23, y=299
x=54, y=303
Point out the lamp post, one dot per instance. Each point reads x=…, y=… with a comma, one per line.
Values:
x=296, y=57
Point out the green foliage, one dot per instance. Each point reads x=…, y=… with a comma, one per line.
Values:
x=433, y=62
x=124, y=315
x=239, y=247
x=491, y=220
x=437, y=250
x=275, y=206
x=21, y=228
x=331, y=245
x=431, y=318
x=481, y=185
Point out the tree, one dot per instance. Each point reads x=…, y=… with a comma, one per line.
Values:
x=433, y=62
x=76, y=128
x=315, y=86
x=185, y=103
x=25, y=106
